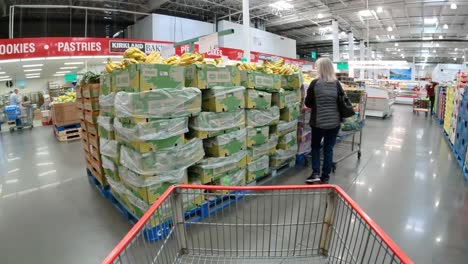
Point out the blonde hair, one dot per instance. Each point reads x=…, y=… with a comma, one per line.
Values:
x=325, y=69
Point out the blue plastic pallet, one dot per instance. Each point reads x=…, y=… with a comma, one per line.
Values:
x=71, y=126
x=103, y=190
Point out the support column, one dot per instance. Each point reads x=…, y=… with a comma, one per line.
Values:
x=246, y=28
x=351, y=45
x=336, y=41
x=362, y=51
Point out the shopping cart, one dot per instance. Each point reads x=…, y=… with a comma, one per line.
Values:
x=260, y=224
x=421, y=105
x=25, y=115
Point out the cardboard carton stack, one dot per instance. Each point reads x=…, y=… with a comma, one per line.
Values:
x=152, y=109
x=221, y=125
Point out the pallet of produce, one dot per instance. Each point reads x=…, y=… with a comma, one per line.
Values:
x=287, y=141
x=159, y=103
x=255, y=99
x=94, y=165
x=204, y=76
x=210, y=169
x=282, y=156
x=152, y=135
x=110, y=149
x=91, y=116
x=110, y=168
x=105, y=84
x=106, y=127
x=257, y=151
x=257, y=168
x=285, y=127
x=223, y=99
x=261, y=81
x=290, y=112
x=292, y=82
x=65, y=114
x=260, y=118
x=227, y=144
x=210, y=124
x=235, y=179
x=257, y=135
x=284, y=98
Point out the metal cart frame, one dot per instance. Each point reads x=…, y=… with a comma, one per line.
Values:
x=258, y=224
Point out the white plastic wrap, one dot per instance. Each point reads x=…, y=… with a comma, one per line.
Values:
x=286, y=139
x=209, y=121
x=179, y=157
x=121, y=190
x=284, y=154
x=257, y=118
x=107, y=101
x=226, y=138
x=109, y=148
x=285, y=127
x=222, y=162
x=153, y=130
x=105, y=122
x=263, y=149
x=134, y=179
x=259, y=164
x=234, y=179
x=217, y=91
x=108, y=164
x=158, y=103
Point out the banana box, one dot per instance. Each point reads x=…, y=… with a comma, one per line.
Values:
x=204, y=76
x=209, y=169
x=290, y=112
x=285, y=127
x=283, y=156
x=152, y=145
x=235, y=179
x=90, y=90
x=105, y=84
x=285, y=97
x=260, y=118
x=261, y=81
x=146, y=76
x=210, y=124
x=149, y=187
x=91, y=116
x=106, y=105
x=110, y=168
x=159, y=103
x=257, y=135
x=268, y=148
x=193, y=197
x=92, y=128
x=287, y=141
x=157, y=162
x=257, y=99
x=223, y=99
x=292, y=82
x=106, y=127
x=225, y=145
x=110, y=149
x=258, y=168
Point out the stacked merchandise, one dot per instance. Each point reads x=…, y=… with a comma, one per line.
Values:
x=448, y=109
x=65, y=117
x=304, y=132
x=441, y=98
x=461, y=137
x=89, y=92
x=457, y=97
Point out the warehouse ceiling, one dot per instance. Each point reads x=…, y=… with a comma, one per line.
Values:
x=429, y=30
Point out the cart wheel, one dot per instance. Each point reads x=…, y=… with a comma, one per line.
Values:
x=359, y=155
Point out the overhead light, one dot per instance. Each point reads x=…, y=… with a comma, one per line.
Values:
x=445, y=26
x=3, y=77
x=463, y=56
x=398, y=49
x=453, y=6
x=32, y=74
x=430, y=20
x=320, y=15
x=437, y=45
x=343, y=33
x=427, y=38
x=365, y=13
x=7, y=79
x=33, y=65
x=2, y=72
x=392, y=37
x=456, y=49
x=8, y=61
x=68, y=68
x=396, y=44
x=59, y=74
x=441, y=37
x=379, y=9
x=63, y=72
x=425, y=51
x=282, y=5
x=75, y=63
x=389, y=28
x=434, y=51
x=32, y=70
x=32, y=77
x=377, y=37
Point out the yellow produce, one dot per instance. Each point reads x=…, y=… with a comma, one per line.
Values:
x=136, y=54
x=174, y=60
x=155, y=58
x=111, y=66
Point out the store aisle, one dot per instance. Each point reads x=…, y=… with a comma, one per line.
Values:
x=406, y=180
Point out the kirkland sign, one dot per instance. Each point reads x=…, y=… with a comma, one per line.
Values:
x=146, y=47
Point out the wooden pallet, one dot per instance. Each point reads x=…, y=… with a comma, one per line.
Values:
x=68, y=134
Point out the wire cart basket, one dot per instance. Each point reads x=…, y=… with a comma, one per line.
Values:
x=421, y=105
x=258, y=224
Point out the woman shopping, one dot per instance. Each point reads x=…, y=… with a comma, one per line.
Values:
x=325, y=120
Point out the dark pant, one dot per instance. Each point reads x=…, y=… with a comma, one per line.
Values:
x=18, y=122
x=432, y=99
x=329, y=140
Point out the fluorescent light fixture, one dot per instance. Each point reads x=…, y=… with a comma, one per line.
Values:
x=3, y=77
x=377, y=37
x=379, y=9
x=8, y=61
x=32, y=70
x=7, y=79
x=430, y=20
x=434, y=51
x=343, y=33
x=454, y=59
x=453, y=6
x=456, y=49
x=365, y=13
x=74, y=63
x=427, y=38
x=2, y=72
x=445, y=26
x=282, y=5
x=33, y=74
x=58, y=58
x=32, y=77
x=425, y=51
x=463, y=56
x=62, y=72
x=392, y=36
x=389, y=28
x=68, y=68
x=398, y=49
x=33, y=65
x=320, y=15
x=33, y=59
x=441, y=37
x=396, y=44
x=437, y=45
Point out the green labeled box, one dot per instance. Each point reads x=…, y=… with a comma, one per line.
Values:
x=225, y=145
x=287, y=141
x=106, y=127
x=257, y=99
x=159, y=103
x=257, y=135
x=260, y=118
x=292, y=82
x=269, y=148
x=204, y=76
x=106, y=105
x=223, y=99
x=209, y=169
x=261, y=81
x=110, y=168
x=110, y=149
x=285, y=127
x=234, y=179
x=145, y=76
x=153, y=134
x=258, y=168
x=105, y=84
x=179, y=157
x=282, y=156
x=290, y=112
x=149, y=187
x=210, y=124
x=285, y=97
